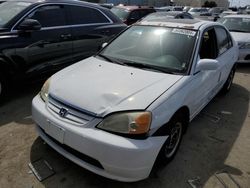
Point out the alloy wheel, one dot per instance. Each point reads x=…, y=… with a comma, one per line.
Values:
x=173, y=140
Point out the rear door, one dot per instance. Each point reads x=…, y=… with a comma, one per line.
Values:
x=90, y=28
x=226, y=54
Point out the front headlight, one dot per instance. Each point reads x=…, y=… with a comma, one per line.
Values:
x=245, y=45
x=134, y=123
x=45, y=90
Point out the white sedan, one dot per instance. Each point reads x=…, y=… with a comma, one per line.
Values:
x=239, y=27
x=124, y=110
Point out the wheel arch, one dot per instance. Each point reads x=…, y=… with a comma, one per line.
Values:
x=183, y=112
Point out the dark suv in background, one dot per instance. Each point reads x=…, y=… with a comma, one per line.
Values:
x=131, y=14
x=38, y=38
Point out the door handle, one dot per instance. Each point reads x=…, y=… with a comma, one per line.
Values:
x=65, y=36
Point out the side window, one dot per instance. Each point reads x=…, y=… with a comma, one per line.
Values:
x=146, y=12
x=85, y=15
x=135, y=15
x=208, y=47
x=50, y=16
x=223, y=39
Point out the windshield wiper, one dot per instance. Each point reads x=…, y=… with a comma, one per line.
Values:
x=109, y=59
x=148, y=66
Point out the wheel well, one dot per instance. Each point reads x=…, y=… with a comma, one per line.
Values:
x=181, y=112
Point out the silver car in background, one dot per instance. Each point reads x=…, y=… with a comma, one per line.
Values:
x=239, y=27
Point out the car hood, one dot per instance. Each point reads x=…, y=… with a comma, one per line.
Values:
x=102, y=87
x=240, y=37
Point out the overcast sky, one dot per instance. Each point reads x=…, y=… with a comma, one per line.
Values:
x=239, y=2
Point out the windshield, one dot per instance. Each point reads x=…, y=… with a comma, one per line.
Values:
x=9, y=10
x=236, y=24
x=120, y=13
x=151, y=47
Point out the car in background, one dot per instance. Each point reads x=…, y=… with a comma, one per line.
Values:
x=40, y=37
x=163, y=9
x=197, y=11
x=131, y=14
x=239, y=27
x=123, y=111
x=169, y=8
x=107, y=5
x=216, y=11
x=248, y=9
x=186, y=8
x=225, y=13
x=168, y=15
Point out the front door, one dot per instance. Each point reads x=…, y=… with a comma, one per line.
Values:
x=204, y=82
x=50, y=48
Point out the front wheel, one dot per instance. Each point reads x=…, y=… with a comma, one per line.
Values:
x=171, y=145
x=228, y=84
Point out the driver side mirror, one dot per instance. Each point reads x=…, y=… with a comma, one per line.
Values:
x=29, y=25
x=206, y=64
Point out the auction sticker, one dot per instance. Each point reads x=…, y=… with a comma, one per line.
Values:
x=184, y=32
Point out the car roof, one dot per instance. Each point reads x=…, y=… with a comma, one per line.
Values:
x=181, y=23
x=134, y=7
x=238, y=16
x=56, y=1
x=166, y=14
x=173, y=13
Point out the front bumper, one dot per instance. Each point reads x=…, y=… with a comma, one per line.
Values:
x=121, y=158
x=244, y=56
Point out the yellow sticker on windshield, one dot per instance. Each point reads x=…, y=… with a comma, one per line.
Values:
x=184, y=32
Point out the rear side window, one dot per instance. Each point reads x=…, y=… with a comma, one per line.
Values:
x=50, y=16
x=146, y=12
x=223, y=39
x=85, y=15
x=135, y=15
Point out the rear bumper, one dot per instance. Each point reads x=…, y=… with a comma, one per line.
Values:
x=120, y=158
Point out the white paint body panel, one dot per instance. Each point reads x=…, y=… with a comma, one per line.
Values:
x=113, y=87
x=101, y=88
x=121, y=157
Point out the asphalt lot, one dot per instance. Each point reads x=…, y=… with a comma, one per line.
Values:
x=216, y=146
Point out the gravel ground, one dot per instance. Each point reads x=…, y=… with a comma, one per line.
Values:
x=210, y=151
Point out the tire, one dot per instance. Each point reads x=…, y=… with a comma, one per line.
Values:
x=175, y=130
x=3, y=88
x=228, y=84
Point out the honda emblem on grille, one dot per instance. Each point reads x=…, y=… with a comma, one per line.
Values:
x=63, y=112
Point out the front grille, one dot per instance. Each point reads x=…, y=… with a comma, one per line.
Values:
x=72, y=114
x=76, y=153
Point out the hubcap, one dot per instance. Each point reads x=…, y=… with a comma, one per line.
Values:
x=173, y=140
